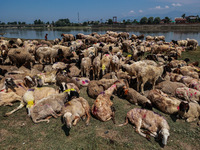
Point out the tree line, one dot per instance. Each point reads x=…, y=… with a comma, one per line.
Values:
x=143, y=20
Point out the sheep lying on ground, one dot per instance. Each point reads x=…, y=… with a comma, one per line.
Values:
x=102, y=108
x=154, y=123
x=188, y=94
x=74, y=110
x=169, y=87
x=82, y=82
x=48, y=106
x=45, y=78
x=134, y=97
x=189, y=111
x=32, y=96
x=168, y=105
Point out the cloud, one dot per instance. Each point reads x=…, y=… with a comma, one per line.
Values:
x=176, y=4
x=166, y=7
x=131, y=11
x=140, y=11
x=157, y=7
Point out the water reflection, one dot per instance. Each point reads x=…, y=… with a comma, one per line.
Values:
x=52, y=33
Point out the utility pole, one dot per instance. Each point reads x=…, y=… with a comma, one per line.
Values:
x=78, y=17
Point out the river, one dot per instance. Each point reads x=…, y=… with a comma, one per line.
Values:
x=52, y=33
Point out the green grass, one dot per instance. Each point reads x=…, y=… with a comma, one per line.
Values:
x=19, y=132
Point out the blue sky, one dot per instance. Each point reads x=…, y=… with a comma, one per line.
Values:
x=52, y=10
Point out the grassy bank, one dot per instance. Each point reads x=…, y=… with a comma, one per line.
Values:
x=156, y=28
x=19, y=132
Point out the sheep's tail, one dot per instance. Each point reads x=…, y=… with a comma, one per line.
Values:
x=123, y=124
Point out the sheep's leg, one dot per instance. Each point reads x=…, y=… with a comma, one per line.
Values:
x=22, y=104
x=153, y=84
x=88, y=118
x=138, y=126
x=191, y=119
x=142, y=87
x=138, y=85
x=42, y=120
x=77, y=118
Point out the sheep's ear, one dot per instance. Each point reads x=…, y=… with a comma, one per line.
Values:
x=111, y=97
x=62, y=119
x=187, y=107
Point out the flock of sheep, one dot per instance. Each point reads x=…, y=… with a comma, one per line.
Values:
x=46, y=77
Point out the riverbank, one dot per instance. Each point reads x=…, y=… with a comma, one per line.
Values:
x=135, y=27
x=150, y=28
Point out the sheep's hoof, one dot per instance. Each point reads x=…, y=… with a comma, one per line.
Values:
x=6, y=115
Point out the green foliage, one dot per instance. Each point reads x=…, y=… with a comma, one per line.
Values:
x=62, y=22
x=12, y=23
x=38, y=22
x=110, y=21
x=144, y=20
x=150, y=20
x=167, y=20
x=156, y=20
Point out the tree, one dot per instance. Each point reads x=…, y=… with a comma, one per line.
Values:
x=85, y=23
x=110, y=21
x=183, y=16
x=167, y=20
x=135, y=21
x=38, y=22
x=63, y=22
x=156, y=20
x=144, y=20
x=150, y=20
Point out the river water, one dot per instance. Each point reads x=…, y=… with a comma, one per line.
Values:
x=52, y=33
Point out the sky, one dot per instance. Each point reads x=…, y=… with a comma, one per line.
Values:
x=52, y=10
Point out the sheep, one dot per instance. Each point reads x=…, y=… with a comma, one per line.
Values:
x=149, y=73
x=189, y=111
x=74, y=110
x=48, y=106
x=169, y=87
x=105, y=63
x=134, y=97
x=114, y=63
x=153, y=122
x=45, y=78
x=96, y=87
x=102, y=108
x=81, y=82
x=97, y=66
x=188, y=94
x=32, y=96
x=160, y=100
x=86, y=64
x=192, y=42
x=19, y=57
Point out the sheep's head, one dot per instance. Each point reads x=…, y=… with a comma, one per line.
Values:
x=184, y=107
x=164, y=135
x=9, y=83
x=29, y=82
x=67, y=119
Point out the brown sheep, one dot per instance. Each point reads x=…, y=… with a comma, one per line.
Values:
x=74, y=110
x=168, y=105
x=102, y=108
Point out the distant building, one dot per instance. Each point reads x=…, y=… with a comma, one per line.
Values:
x=192, y=19
x=180, y=20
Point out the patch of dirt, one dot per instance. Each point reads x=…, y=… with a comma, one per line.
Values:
x=187, y=146
x=3, y=134
x=111, y=135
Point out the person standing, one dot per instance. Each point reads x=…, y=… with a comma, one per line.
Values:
x=46, y=37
